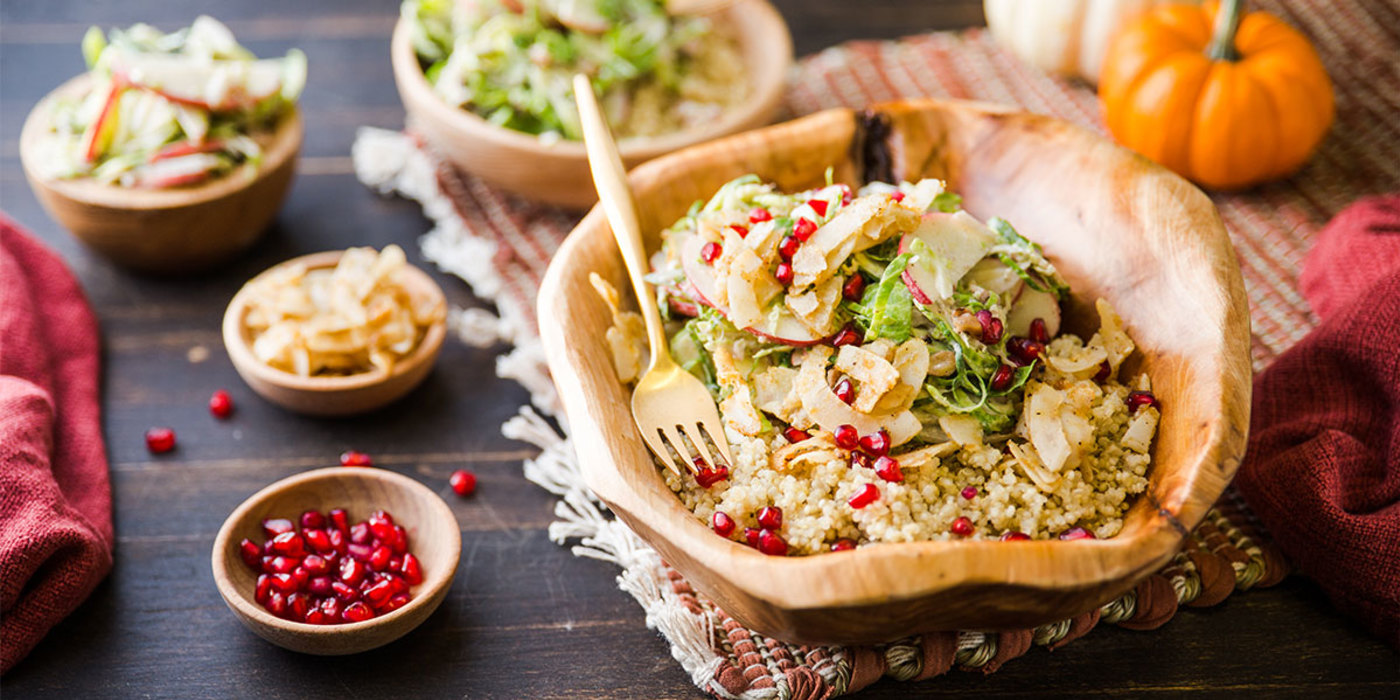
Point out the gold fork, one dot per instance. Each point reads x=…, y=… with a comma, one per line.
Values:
x=669, y=403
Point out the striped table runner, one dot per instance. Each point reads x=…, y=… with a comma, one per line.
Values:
x=501, y=246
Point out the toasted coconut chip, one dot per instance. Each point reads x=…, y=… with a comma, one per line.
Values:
x=922, y=194
x=925, y=455
x=911, y=360
x=773, y=391
x=816, y=450
x=1082, y=364
x=749, y=285
x=816, y=309
x=1111, y=337
x=1043, y=424
x=1025, y=457
x=961, y=429
x=874, y=373
x=737, y=407
x=865, y=222
x=1138, y=436
x=626, y=337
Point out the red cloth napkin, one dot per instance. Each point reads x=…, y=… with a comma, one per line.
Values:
x=55, y=498
x=1323, y=467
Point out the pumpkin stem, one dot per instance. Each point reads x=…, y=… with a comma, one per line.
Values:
x=1227, y=22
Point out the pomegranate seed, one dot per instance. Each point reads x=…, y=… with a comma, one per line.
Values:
x=251, y=553
x=888, y=469
x=273, y=527
x=751, y=536
x=859, y=459
x=788, y=247
x=394, y=603
x=396, y=583
x=352, y=571
x=1105, y=370
x=1025, y=349
x=876, y=443
x=1001, y=379
x=379, y=559
x=357, y=612
x=740, y=229
x=1077, y=533
x=313, y=520
x=846, y=194
x=351, y=458
x=784, y=274
x=962, y=527
x=759, y=214
x=772, y=544
x=380, y=517
x=845, y=391
x=359, y=551
x=379, y=592
x=281, y=565
x=340, y=520
x=331, y=608
x=711, y=252
x=463, y=482
x=290, y=544
x=336, y=539
x=360, y=534
x=264, y=589
x=344, y=591
x=1014, y=535
x=1140, y=399
x=796, y=435
x=318, y=539
x=722, y=524
x=160, y=440
x=867, y=494
x=847, y=336
x=317, y=616
x=709, y=477
x=770, y=517
x=301, y=575
x=854, y=288
x=319, y=585
x=969, y=492
x=285, y=583
x=803, y=229
x=844, y=544
x=400, y=543
x=316, y=565
x=221, y=404
x=412, y=570
x=818, y=206
x=846, y=437
x=277, y=604
x=991, y=327
x=897, y=196
x=396, y=563
x=298, y=606
x=1038, y=332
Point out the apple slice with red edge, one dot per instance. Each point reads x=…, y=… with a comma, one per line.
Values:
x=955, y=243
x=216, y=86
x=98, y=137
x=179, y=171
x=1030, y=305
x=184, y=148
x=783, y=328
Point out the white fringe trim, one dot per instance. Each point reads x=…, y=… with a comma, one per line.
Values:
x=388, y=162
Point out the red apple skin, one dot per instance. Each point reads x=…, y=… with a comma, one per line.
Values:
x=908, y=274
x=176, y=180
x=91, y=149
x=682, y=306
x=185, y=148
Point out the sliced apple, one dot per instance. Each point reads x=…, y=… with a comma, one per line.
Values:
x=681, y=306
x=98, y=137
x=184, y=148
x=179, y=171
x=952, y=245
x=216, y=85
x=778, y=326
x=994, y=276
x=1030, y=305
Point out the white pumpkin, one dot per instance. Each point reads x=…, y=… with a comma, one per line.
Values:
x=1063, y=36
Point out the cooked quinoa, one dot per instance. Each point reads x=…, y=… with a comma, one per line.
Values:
x=976, y=418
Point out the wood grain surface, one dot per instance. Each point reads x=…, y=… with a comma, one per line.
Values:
x=524, y=619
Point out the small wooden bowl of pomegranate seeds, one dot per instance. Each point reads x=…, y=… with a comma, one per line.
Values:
x=337, y=561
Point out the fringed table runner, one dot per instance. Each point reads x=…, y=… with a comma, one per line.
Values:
x=501, y=246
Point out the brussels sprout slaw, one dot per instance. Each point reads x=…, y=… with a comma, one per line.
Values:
x=168, y=109
x=512, y=62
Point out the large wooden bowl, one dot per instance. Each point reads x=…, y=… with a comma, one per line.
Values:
x=557, y=173
x=178, y=230
x=1116, y=225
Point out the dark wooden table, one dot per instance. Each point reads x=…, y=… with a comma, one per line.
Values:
x=525, y=618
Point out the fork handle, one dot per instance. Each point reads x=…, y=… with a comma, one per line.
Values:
x=610, y=177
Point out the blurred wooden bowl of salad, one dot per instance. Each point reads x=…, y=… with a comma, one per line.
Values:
x=336, y=333
x=174, y=152
x=505, y=113
x=1114, y=226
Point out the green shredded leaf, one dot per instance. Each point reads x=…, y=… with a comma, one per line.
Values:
x=886, y=310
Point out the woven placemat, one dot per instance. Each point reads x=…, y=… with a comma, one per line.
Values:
x=501, y=246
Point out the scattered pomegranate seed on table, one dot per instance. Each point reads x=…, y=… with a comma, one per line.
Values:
x=722, y=524
x=771, y=517
x=333, y=584
x=1077, y=533
x=876, y=443
x=463, y=482
x=867, y=494
x=160, y=440
x=221, y=404
x=962, y=527
x=969, y=492
x=1140, y=399
x=888, y=469
x=843, y=545
x=1014, y=535
x=351, y=458
x=846, y=437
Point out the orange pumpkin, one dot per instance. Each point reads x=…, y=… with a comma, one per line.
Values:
x=1225, y=100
